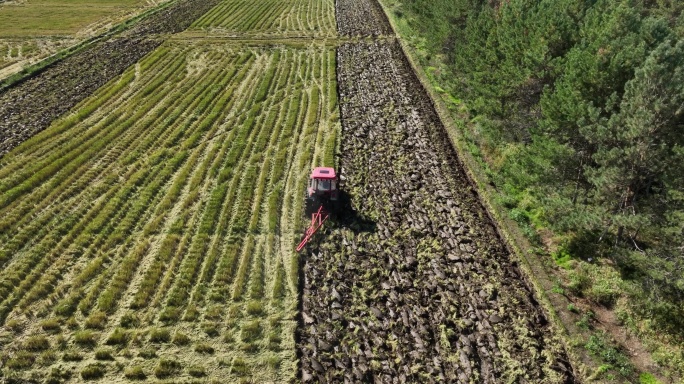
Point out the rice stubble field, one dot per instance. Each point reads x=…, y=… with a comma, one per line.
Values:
x=148, y=233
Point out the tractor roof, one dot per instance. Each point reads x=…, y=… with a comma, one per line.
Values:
x=323, y=173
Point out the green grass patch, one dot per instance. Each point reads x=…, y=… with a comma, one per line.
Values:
x=93, y=371
x=135, y=372
x=167, y=368
x=160, y=335
x=600, y=346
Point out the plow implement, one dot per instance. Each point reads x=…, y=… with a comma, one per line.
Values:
x=317, y=220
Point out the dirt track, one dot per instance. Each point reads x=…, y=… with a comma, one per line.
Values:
x=416, y=285
x=30, y=107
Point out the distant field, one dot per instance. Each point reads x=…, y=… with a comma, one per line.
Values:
x=272, y=17
x=32, y=18
x=33, y=29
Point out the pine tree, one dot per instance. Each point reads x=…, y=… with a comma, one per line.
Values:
x=638, y=150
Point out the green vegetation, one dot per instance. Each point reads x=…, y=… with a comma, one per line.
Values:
x=135, y=373
x=36, y=343
x=181, y=338
x=85, y=338
x=600, y=346
x=197, y=371
x=50, y=325
x=161, y=335
x=272, y=17
x=21, y=360
x=104, y=354
x=118, y=337
x=93, y=371
x=72, y=356
x=573, y=109
x=166, y=368
x=139, y=224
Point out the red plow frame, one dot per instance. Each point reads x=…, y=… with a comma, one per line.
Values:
x=317, y=220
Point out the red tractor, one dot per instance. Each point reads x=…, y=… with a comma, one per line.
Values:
x=322, y=190
x=322, y=195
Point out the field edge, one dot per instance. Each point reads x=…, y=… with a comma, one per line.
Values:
x=536, y=272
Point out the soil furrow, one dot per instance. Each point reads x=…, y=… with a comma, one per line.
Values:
x=361, y=18
x=413, y=284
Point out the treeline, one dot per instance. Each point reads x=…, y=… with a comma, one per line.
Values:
x=579, y=113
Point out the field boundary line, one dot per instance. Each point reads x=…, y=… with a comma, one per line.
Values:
x=265, y=40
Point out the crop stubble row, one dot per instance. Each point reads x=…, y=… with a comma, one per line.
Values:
x=278, y=18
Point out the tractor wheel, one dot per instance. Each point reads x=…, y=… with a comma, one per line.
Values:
x=309, y=206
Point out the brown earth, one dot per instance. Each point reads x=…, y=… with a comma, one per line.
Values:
x=416, y=285
x=361, y=18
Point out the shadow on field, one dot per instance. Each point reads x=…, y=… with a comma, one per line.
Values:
x=345, y=216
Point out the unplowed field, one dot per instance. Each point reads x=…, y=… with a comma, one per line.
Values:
x=279, y=18
x=154, y=225
x=30, y=106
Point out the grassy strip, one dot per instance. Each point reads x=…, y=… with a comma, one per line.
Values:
x=69, y=159
x=81, y=160
x=69, y=187
x=273, y=17
x=170, y=243
x=224, y=221
x=69, y=302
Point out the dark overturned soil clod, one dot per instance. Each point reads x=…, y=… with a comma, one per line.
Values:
x=30, y=106
x=361, y=18
x=429, y=293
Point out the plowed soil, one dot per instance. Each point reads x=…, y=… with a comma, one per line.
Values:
x=416, y=285
x=361, y=18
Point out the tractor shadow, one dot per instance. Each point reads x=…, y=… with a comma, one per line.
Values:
x=345, y=216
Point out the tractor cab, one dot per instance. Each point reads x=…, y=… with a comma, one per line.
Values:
x=322, y=191
x=323, y=184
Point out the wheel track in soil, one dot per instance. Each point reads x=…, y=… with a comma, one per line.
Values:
x=415, y=285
